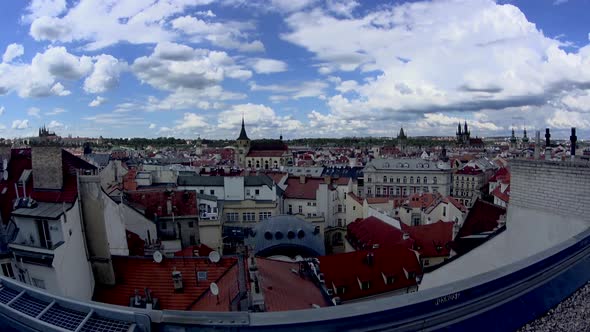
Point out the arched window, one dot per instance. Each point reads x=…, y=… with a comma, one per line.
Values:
x=405, y=180
x=425, y=180
x=384, y=179
x=434, y=180
x=398, y=180
x=417, y=179
x=411, y=179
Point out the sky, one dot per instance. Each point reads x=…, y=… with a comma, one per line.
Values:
x=300, y=68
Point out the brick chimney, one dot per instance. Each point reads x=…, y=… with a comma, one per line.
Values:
x=302, y=179
x=327, y=179
x=47, y=167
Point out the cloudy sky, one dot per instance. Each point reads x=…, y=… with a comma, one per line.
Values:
x=306, y=68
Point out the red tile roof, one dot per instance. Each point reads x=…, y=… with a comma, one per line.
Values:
x=456, y=203
x=483, y=217
x=284, y=290
x=502, y=175
x=307, y=190
x=228, y=289
x=469, y=170
x=502, y=195
x=133, y=273
x=422, y=200
x=348, y=269
x=154, y=201
x=365, y=233
x=276, y=176
x=377, y=200
x=432, y=240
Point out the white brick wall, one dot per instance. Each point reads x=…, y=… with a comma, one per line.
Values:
x=557, y=187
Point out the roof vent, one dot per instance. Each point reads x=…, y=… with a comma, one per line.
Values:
x=279, y=235
x=290, y=235
x=268, y=235
x=300, y=234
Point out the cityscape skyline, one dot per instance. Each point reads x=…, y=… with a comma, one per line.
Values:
x=303, y=69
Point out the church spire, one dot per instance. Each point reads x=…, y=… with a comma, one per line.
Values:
x=243, y=135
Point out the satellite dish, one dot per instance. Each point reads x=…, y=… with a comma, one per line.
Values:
x=157, y=257
x=214, y=256
x=214, y=288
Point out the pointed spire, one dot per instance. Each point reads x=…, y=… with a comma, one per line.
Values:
x=243, y=135
x=466, y=130
x=459, y=128
x=401, y=135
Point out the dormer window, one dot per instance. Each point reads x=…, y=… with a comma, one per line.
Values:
x=388, y=279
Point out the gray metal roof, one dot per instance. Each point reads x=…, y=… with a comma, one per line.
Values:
x=207, y=197
x=258, y=180
x=43, y=210
x=206, y=181
x=101, y=159
x=291, y=230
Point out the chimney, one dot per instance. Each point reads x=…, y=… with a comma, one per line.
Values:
x=47, y=167
x=547, y=144
x=537, y=144
x=573, y=140
x=302, y=179
x=327, y=179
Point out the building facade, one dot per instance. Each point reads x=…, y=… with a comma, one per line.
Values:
x=404, y=177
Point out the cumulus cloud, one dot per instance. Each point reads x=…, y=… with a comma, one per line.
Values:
x=225, y=34
x=261, y=118
x=564, y=119
x=304, y=89
x=191, y=121
x=97, y=101
x=268, y=66
x=20, y=124
x=411, y=67
x=152, y=126
x=2, y=110
x=41, y=8
x=105, y=74
x=12, y=52
x=98, y=24
x=55, y=125
x=34, y=112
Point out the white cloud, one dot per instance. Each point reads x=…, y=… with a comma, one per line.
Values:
x=20, y=124
x=55, y=125
x=305, y=89
x=98, y=24
x=261, y=120
x=40, y=8
x=105, y=75
x=471, y=55
x=34, y=111
x=559, y=2
x=342, y=7
x=152, y=126
x=97, y=101
x=268, y=66
x=39, y=79
x=564, y=119
x=2, y=110
x=56, y=111
x=191, y=121
x=12, y=52
x=225, y=34
x=579, y=101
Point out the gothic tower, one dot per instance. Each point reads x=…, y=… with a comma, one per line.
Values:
x=243, y=143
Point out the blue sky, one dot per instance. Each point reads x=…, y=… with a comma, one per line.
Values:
x=304, y=68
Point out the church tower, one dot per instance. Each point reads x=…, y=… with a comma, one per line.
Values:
x=513, y=140
x=525, y=140
x=243, y=143
x=402, y=140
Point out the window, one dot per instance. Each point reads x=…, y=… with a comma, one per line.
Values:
x=339, y=208
x=44, y=235
x=405, y=180
x=384, y=178
x=411, y=179
x=212, y=192
x=365, y=285
x=397, y=180
x=354, y=208
x=247, y=192
x=192, y=240
x=232, y=217
x=378, y=191
x=425, y=180
x=202, y=191
x=257, y=192
x=308, y=203
x=417, y=179
x=397, y=191
x=369, y=179
x=369, y=192
x=249, y=216
x=390, y=180
x=38, y=283
x=191, y=224
x=444, y=211
x=344, y=195
x=339, y=223
x=415, y=220
x=264, y=215
x=7, y=270
x=340, y=290
x=201, y=275
x=389, y=280
x=434, y=189
x=290, y=210
x=391, y=191
x=434, y=180
x=426, y=262
x=300, y=209
x=425, y=189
